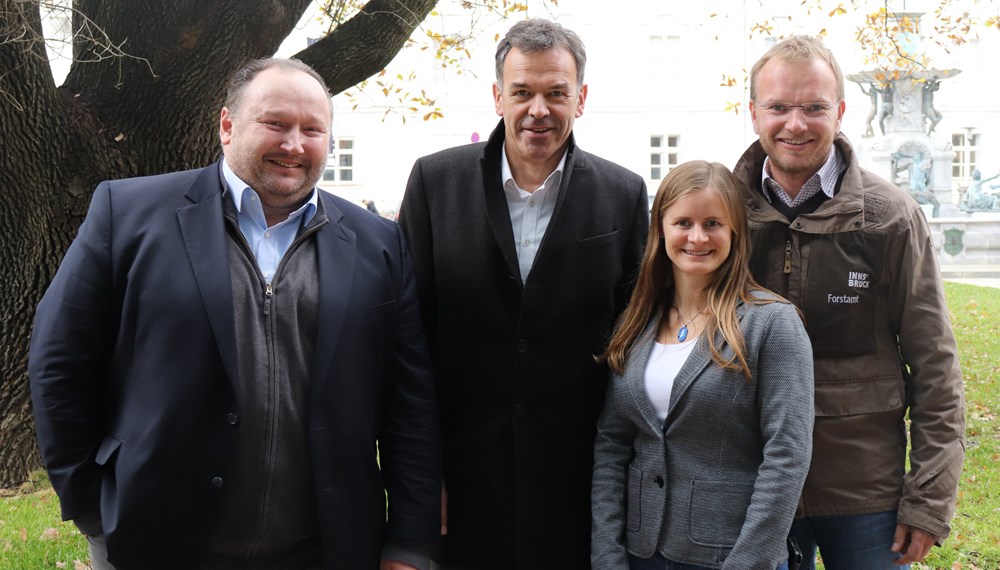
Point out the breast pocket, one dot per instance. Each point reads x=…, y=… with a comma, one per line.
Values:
x=383, y=305
x=598, y=241
x=842, y=277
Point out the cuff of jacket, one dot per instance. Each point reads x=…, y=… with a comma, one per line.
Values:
x=926, y=522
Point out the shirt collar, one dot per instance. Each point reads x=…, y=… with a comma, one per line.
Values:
x=239, y=189
x=508, y=177
x=828, y=175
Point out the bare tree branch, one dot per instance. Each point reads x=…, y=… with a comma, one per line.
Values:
x=362, y=46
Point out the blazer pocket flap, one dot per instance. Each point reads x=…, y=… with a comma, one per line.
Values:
x=382, y=304
x=594, y=242
x=109, y=445
x=633, y=507
x=864, y=396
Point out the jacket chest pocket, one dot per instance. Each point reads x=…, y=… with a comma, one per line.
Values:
x=839, y=299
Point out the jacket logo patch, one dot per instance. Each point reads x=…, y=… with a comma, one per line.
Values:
x=857, y=280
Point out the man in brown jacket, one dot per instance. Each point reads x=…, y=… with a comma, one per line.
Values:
x=854, y=253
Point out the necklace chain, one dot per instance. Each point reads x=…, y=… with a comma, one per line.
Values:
x=682, y=333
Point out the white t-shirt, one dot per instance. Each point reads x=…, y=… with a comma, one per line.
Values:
x=665, y=361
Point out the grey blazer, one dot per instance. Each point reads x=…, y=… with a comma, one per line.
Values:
x=717, y=485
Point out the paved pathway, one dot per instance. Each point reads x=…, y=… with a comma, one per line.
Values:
x=980, y=281
x=981, y=275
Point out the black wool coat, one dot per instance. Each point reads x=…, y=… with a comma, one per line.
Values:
x=518, y=387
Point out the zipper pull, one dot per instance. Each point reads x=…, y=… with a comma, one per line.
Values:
x=788, y=257
x=268, y=293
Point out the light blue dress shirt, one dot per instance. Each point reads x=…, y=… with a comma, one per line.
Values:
x=268, y=244
x=530, y=212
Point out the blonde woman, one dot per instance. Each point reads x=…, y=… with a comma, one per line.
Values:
x=705, y=438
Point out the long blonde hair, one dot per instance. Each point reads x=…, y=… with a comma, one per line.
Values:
x=731, y=283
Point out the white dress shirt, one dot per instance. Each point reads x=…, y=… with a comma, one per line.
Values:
x=530, y=212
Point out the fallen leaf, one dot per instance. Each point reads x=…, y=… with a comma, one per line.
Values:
x=49, y=534
x=24, y=535
x=77, y=565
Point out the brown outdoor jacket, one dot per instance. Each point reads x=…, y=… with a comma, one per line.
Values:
x=862, y=269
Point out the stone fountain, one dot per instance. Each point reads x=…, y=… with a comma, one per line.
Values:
x=905, y=151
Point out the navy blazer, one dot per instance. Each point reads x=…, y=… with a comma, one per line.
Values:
x=717, y=483
x=133, y=375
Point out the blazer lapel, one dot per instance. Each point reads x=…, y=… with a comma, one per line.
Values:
x=336, y=253
x=697, y=361
x=497, y=212
x=635, y=375
x=574, y=161
x=203, y=229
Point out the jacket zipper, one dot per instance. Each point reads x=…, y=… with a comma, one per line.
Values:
x=268, y=294
x=245, y=246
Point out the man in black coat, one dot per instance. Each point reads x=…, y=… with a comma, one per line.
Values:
x=525, y=249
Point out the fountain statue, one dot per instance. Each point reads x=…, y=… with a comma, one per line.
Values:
x=903, y=102
x=975, y=199
x=906, y=151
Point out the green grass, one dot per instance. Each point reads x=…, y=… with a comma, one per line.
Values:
x=975, y=536
x=33, y=537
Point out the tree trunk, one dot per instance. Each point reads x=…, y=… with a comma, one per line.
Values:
x=154, y=110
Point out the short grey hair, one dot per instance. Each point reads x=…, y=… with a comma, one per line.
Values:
x=535, y=35
x=238, y=82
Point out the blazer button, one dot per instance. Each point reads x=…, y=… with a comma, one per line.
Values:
x=232, y=419
x=217, y=482
x=519, y=410
x=658, y=481
x=522, y=345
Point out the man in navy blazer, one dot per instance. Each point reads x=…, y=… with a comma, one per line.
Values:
x=525, y=249
x=229, y=371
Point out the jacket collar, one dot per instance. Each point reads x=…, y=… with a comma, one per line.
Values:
x=203, y=230
x=336, y=261
x=844, y=212
x=495, y=201
x=205, y=238
x=698, y=360
x=494, y=146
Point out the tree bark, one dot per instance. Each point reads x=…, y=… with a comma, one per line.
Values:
x=151, y=111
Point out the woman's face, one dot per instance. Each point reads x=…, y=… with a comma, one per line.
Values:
x=697, y=233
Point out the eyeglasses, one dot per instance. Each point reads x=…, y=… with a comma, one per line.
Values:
x=809, y=110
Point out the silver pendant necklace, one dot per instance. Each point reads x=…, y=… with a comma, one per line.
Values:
x=682, y=334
